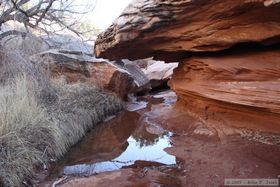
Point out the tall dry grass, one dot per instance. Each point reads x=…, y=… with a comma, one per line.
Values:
x=26, y=132
x=32, y=132
x=78, y=108
x=41, y=119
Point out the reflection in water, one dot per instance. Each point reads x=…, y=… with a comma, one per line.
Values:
x=149, y=135
x=116, y=143
x=153, y=152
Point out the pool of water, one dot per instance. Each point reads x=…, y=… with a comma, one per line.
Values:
x=132, y=153
x=121, y=141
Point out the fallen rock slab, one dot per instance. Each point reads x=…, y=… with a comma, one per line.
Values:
x=141, y=80
x=78, y=67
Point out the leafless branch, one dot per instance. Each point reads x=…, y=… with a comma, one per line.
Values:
x=11, y=32
x=43, y=14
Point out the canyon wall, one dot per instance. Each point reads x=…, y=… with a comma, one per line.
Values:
x=229, y=55
x=236, y=89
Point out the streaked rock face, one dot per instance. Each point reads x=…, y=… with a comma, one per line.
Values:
x=243, y=78
x=169, y=29
x=228, y=52
x=233, y=89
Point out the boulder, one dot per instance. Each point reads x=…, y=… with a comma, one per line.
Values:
x=67, y=43
x=27, y=45
x=141, y=80
x=32, y=43
x=143, y=63
x=171, y=30
x=79, y=67
x=159, y=72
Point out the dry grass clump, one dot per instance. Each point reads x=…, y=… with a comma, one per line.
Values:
x=14, y=64
x=32, y=132
x=26, y=133
x=40, y=120
x=78, y=108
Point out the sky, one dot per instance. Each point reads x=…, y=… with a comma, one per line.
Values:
x=106, y=11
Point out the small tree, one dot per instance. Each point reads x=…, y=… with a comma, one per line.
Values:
x=44, y=15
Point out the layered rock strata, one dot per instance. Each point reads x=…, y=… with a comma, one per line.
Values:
x=169, y=30
x=228, y=52
x=234, y=89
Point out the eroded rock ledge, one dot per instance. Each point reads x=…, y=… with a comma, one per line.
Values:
x=218, y=81
x=168, y=29
x=241, y=86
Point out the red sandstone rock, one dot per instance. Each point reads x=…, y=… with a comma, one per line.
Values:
x=248, y=79
x=78, y=67
x=215, y=82
x=234, y=89
x=168, y=29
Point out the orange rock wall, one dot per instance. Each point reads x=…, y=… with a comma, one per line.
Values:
x=229, y=54
x=234, y=89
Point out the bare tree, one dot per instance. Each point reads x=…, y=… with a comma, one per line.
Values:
x=44, y=15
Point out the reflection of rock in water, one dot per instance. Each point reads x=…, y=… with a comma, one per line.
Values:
x=145, y=137
x=119, y=142
x=124, y=125
x=105, y=142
